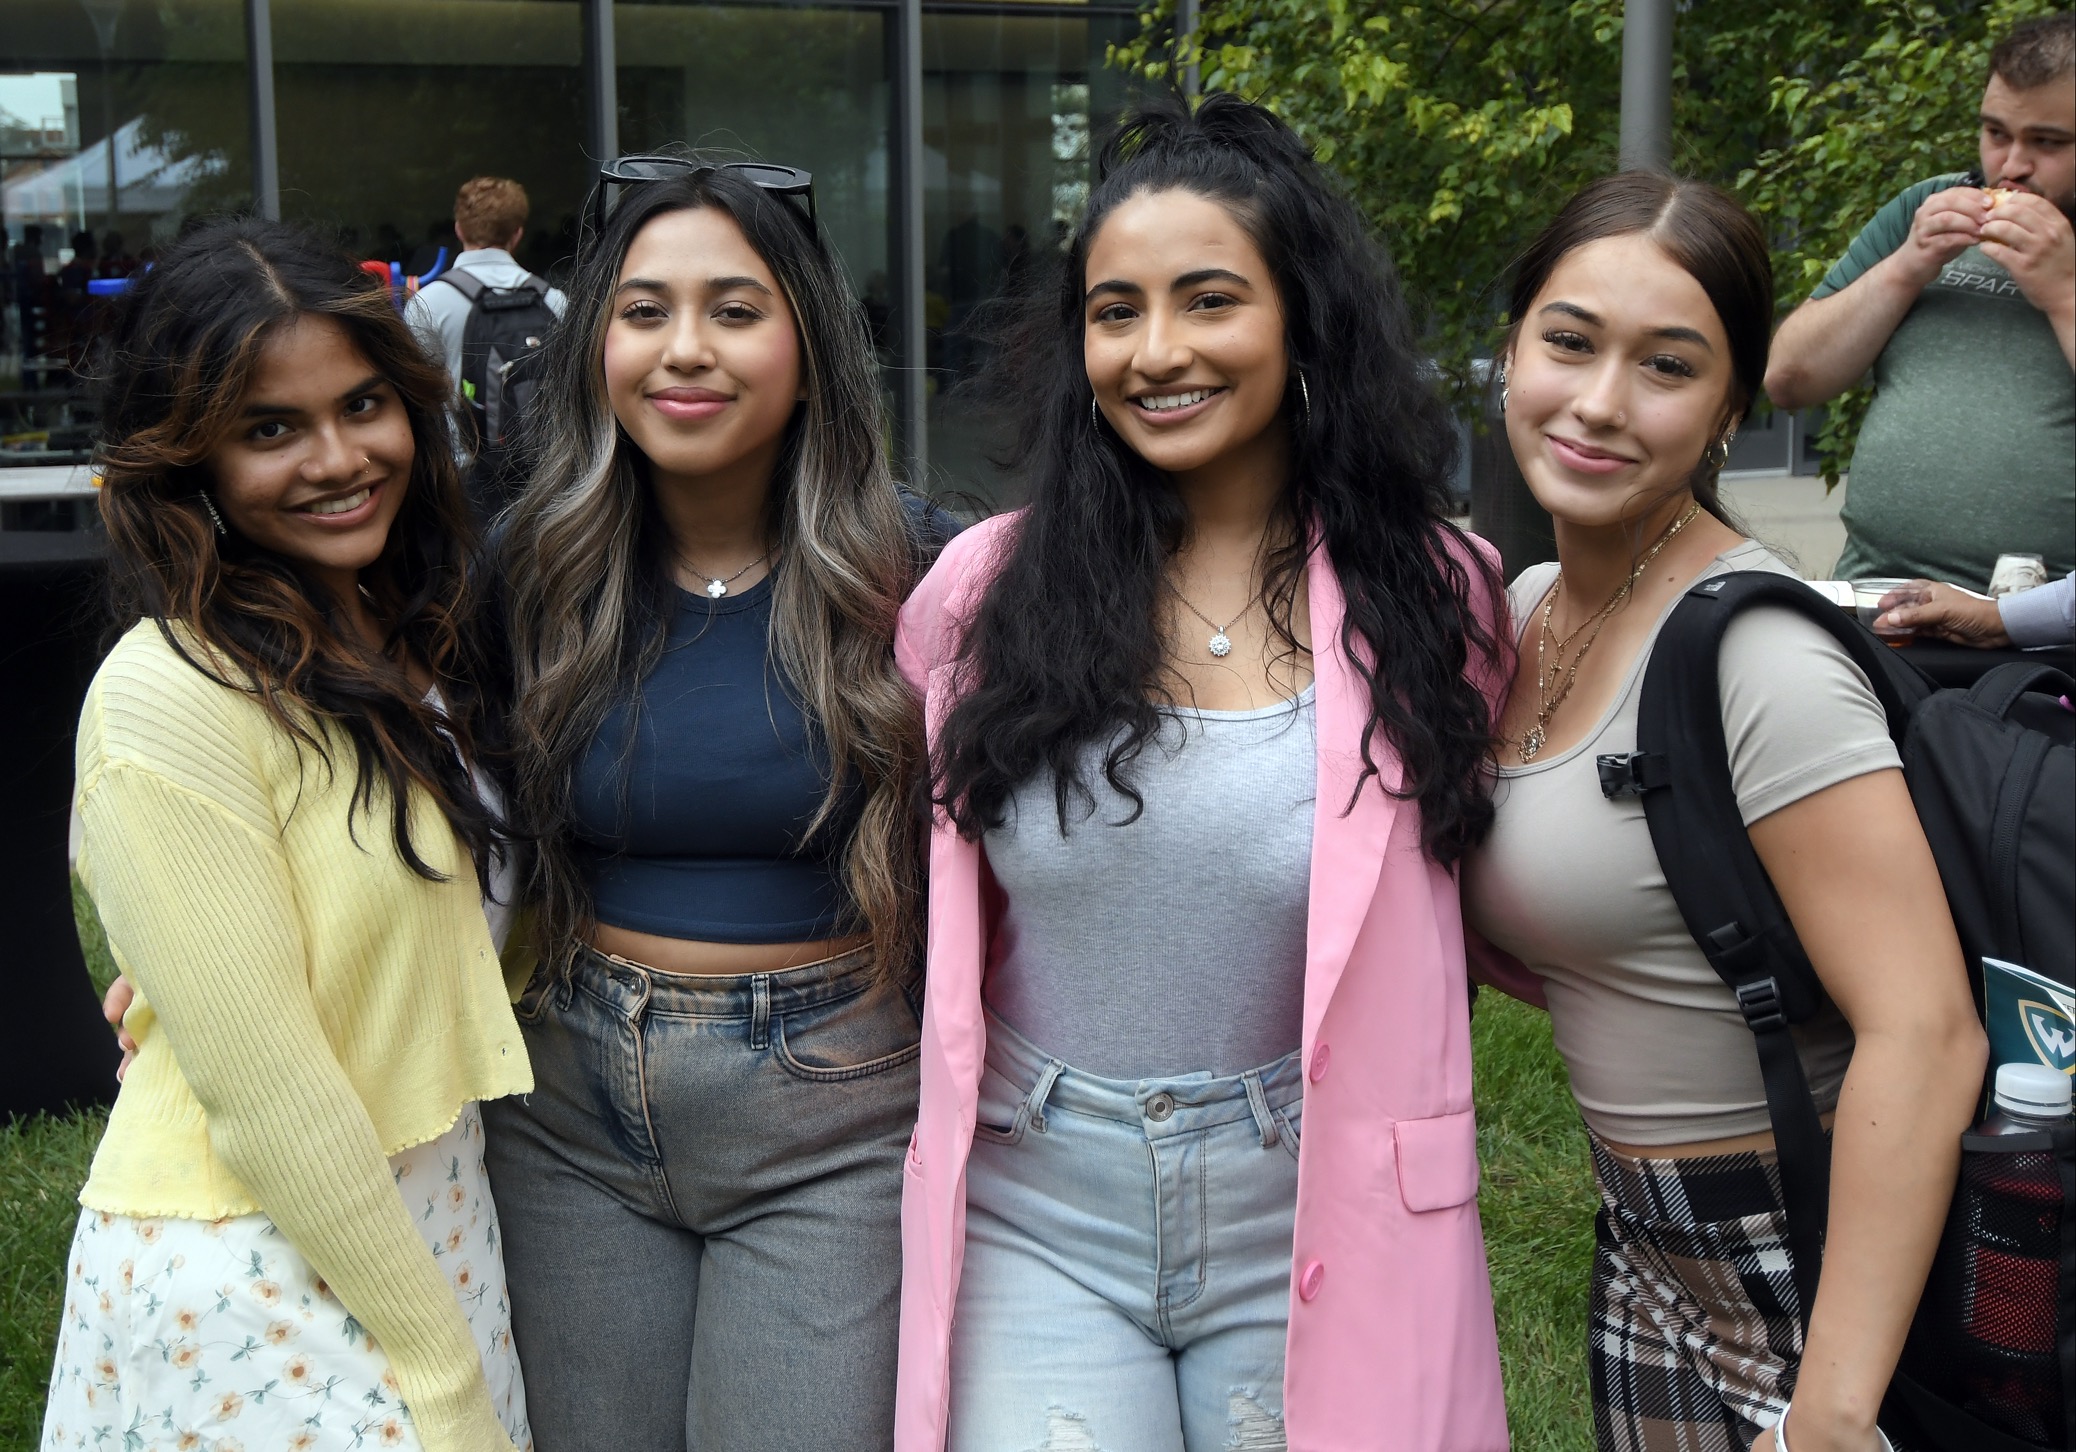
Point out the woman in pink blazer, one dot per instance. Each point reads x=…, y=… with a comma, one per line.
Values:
x=1195, y=1166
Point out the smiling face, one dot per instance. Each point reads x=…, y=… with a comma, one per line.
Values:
x=702, y=357
x=1619, y=378
x=2028, y=138
x=1183, y=335
x=318, y=461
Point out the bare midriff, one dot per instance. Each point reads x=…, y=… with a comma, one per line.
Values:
x=1737, y=1144
x=684, y=955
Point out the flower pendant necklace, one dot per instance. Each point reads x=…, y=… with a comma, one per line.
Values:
x=716, y=586
x=1220, y=644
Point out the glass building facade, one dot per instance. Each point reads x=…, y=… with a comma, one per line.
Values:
x=949, y=143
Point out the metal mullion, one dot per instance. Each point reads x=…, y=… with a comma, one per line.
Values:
x=259, y=77
x=905, y=241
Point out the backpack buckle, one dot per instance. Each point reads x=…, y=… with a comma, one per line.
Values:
x=1760, y=1003
x=1632, y=775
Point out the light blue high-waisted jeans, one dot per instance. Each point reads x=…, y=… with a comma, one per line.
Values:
x=1127, y=1271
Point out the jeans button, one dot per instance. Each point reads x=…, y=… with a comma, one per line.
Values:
x=1160, y=1107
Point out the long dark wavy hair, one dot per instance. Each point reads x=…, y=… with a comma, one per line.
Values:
x=181, y=353
x=1065, y=649
x=586, y=564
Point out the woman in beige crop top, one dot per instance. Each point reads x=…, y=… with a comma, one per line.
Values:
x=1640, y=337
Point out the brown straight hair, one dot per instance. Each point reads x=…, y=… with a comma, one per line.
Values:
x=1713, y=238
x=182, y=352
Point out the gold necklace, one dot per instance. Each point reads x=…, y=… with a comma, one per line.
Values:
x=1547, y=647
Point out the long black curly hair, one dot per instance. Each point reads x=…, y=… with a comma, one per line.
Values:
x=1065, y=648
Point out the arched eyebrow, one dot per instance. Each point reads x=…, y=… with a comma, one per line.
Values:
x=1674, y=334
x=713, y=284
x=260, y=408
x=1181, y=284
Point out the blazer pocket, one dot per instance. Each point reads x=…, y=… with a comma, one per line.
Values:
x=1437, y=1160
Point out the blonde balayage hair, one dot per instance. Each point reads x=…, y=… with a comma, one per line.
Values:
x=587, y=569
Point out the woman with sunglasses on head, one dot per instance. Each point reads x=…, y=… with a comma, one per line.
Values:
x=716, y=760
x=1640, y=325
x=1209, y=722
x=289, y=1240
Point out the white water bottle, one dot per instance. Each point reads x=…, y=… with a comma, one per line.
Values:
x=2030, y=1098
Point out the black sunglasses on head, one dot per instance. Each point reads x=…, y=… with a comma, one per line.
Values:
x=786, y=181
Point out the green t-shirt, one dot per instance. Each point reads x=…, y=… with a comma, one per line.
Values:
x=1969, y=449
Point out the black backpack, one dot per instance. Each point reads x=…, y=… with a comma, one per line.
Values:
x=505, y=330
x=1992, y=772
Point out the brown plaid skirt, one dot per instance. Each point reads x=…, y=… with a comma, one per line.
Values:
x=1694, y=1325
x=1694, y=1329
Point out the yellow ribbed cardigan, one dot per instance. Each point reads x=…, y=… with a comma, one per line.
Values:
x=306, y=1005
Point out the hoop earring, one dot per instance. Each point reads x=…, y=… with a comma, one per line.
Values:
x=1305, y=393
x=210, y=505
x=1718, y=453
x=1095, y=416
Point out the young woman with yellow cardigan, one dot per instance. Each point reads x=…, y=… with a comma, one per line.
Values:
x=288, y=1239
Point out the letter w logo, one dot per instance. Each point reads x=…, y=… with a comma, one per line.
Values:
x=2052, y=1035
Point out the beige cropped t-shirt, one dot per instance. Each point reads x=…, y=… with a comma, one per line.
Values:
x=1569, y=883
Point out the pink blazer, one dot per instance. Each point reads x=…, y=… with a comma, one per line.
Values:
x=1391, y=1345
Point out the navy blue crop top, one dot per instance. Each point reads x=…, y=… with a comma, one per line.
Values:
x=693, y=828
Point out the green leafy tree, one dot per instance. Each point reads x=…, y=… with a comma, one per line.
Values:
x=1461, y=127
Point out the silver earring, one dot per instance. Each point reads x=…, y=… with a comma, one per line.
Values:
x=215, y=518
x=1502, y=388
x=1095, y=418
x=1305, y=393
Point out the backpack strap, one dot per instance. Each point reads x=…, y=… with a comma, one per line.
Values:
x=1681, y=770
x=1997, y=692
x=1999, y=687
x=467, y=284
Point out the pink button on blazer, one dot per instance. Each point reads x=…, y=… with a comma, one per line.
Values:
x=1391, y=1345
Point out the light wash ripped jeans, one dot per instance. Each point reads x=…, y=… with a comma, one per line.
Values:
x=1127, y=1273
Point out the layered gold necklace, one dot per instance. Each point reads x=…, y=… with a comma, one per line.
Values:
x=1553, y=678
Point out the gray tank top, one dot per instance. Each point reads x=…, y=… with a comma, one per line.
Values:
x=1174, y=943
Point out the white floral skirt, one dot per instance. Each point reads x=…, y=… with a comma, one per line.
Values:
x=219, y=1336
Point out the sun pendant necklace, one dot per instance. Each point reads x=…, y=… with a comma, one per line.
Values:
x=1220, y=644
x=716, y=586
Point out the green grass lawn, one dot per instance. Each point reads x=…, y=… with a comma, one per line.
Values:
x=1537, y=1201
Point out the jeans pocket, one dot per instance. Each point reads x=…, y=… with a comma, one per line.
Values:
x=1289, y=1122
x=867, y=1033
x=532, y=1004
x=999, y=1117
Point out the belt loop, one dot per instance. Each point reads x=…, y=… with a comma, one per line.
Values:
x=760, y=1011
x=1259, y=1103
x=1034, y=1102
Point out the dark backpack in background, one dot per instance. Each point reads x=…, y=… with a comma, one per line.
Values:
x=505, y=330
x=1991, y=1362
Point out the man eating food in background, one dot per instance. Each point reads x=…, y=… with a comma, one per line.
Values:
x=1960, y=294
